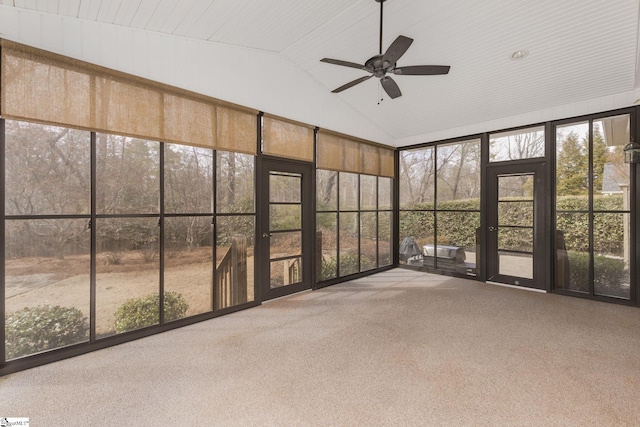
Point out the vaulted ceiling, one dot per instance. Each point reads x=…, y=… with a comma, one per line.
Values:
x=582, y=56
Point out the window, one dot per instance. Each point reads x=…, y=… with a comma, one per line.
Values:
x=47, y=238
x=354, y=222
x=593, y=208
x=516, y=145
x=440, y=206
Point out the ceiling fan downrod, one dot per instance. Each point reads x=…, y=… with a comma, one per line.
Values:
x=381, y=15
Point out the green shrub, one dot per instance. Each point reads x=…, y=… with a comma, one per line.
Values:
x=609, y=274
x=35, y=329
x=349, y=264
x=140, y=312
x=458, y=228
x=329, y=269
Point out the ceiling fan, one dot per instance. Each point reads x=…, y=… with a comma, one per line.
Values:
x=382, y=64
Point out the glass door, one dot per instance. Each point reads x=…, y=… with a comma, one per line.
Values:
x=286, y=228
x=515, y=218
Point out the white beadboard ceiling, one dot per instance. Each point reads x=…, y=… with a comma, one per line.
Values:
x=583, y=56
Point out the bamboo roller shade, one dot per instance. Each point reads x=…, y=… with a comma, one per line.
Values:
x=287, y=139
x=338, y=152
x=45, y=87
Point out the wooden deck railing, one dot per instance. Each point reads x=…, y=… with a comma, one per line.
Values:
x=231, y=275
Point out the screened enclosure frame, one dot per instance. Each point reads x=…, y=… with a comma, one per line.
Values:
x=94, y=341
x=113, y=103
x=220, y=127
x=549, y=158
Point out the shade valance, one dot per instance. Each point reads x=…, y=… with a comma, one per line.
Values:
x=49, y=88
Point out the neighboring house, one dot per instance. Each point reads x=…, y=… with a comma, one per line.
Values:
x=613, y=180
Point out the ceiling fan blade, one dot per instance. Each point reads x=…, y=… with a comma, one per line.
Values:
x=422, y=70
x=390, y=87
x=351, y=84
x=397, y=49
x=344, y=63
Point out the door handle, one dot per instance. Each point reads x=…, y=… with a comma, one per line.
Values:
x=265, y=235
x=492, y=228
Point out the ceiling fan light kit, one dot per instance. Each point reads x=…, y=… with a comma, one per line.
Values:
x=382, y=64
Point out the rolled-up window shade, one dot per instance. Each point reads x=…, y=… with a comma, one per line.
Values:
x=237, y=130
x=286, y=139
x=125, y=108
x=35, y=87
x=337, y=152
x=387, y=163
x=45, y=87
x=190, y=120
x=370, y=159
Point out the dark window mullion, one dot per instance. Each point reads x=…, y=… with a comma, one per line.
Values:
x=214, y=222
x=161, y=231
x=591, y=212
x=435, y=206
x=338, y=254
x=377, y=222
x=92, y=245
x=2, y=241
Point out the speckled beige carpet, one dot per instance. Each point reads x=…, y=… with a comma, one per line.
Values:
x=396, y=348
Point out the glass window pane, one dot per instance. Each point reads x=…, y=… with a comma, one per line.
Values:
x=285, y=188
x=188, y=179
x=518, y=144
x=572, y=252
x=285, y=244
x=611, y=173
x=327, y=241
x=235, y=182
x=349, y=262
x=348, y=191
x=518, y=187
x=188, y=261
x=517, y=265
x=234, y=260
x=127, y=175
x=515, y=239
x=572, y=167
x=46, y=283
x=611, y=258
x=285, y=272
x=384, y=239
x=385, y=193
x=127, y=275
x=368, y=192
x=327, y=190
x=417, y=177
x=457, y=235
x=459, y=175
x=285, y=217
x=515, y=213
x=368, y=241
x=416, y=230
x=47, y=170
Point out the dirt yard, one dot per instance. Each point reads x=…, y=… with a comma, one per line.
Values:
x=38, y=281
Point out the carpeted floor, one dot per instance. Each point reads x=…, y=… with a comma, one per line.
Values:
x=396, y=348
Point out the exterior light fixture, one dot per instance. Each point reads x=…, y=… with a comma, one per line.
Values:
x=632, y=152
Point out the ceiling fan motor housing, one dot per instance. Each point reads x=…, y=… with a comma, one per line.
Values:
x=378, y=66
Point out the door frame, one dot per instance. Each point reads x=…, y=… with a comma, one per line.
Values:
x=541, y=190
x=307, y=171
